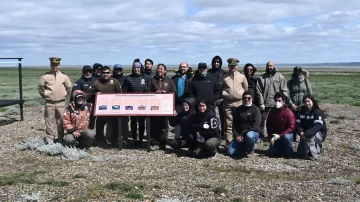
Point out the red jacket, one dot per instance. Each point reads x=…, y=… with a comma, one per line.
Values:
x=280, y=121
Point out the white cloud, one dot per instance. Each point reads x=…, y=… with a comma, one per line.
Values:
x=85, y=32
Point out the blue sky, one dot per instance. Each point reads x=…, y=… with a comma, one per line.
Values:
x=110, y=31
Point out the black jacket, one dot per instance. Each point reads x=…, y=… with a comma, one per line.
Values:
x=246, y=119
x=136, y=84
x=184, y=119
x=205, y=88
x=83, y=84
x=189, y=77
x=208, y=117
x=120, y=78
x=216, y=72
x=310, y=122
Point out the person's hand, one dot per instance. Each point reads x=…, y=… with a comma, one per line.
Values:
x=274, y=138
x=206, y=126
x=240, y=138
x=183, y=143
x=97, y=93
x=302, y=136
x=175, y=113
x=76, y=134
x=262, y=107
x=293, y=106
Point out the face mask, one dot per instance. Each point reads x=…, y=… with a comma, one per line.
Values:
x=278, y=105
x=249, y=105
x=88, y=77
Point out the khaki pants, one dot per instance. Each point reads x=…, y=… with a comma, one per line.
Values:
x=85, y=140
x=53, y=120
x=229, y=108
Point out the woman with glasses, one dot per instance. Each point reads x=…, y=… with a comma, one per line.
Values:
x=246, y=121
x=310, y=125
x=249, y=72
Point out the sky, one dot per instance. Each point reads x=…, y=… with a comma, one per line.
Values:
x=84, y=32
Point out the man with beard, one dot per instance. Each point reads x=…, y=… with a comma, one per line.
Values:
x=137, y=82
x=76, y=121
x=85, y=81
x=205, y=87
x=249, y=71
x=106, y=84
x=159, y=124
x=54, y=87
x=182, y=81
x=269, y=83
x=148, y=68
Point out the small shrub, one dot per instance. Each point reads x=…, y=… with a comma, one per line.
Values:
x=221, y=190
x=238, y=200
x=357, y=104
x=205, y=186
x=357, y=181
x=118, y=186
x=341, y=117
x=339, y=181
x=135, y=195
x=79, y=176
x=3, y=109
x=56, y=183
x=334, y=122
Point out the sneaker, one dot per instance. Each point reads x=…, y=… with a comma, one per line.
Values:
x=154, y=147
x=251, y=154
x=190, y=152
x=214, y=156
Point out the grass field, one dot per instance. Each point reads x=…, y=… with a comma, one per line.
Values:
x=328, y=87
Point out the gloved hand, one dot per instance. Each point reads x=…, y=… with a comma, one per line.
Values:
x=200, y=139
x=206, y=126
x=262, y=107
x=274, y=138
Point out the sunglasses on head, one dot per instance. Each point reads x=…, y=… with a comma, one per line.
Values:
x=106, y=72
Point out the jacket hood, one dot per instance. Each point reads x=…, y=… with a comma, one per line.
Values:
x=86, y=68
x=305, y=73
x=96, y=65
x=191, y=101
x=216, y=58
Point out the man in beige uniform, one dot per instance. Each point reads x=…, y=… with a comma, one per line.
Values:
x=233, y=85
x=54, y=87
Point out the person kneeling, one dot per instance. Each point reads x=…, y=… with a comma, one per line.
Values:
x=280, y=125
x=184, y=120
x=76, y=121
x=206, y=130
x=311, y=126
x=246, y=123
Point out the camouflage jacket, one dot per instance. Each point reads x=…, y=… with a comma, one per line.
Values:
x=76, y=120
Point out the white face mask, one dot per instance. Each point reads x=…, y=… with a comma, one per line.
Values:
x=249, y=105
x=278, y=105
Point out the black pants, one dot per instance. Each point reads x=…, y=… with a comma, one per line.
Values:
x=134, y=122
x=92, y=119
x=263, y=119
x=159, y=130
x=222, y=120
x=100, y=123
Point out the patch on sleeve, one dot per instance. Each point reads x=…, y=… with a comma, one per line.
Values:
x=75, y=84
x=319, y=117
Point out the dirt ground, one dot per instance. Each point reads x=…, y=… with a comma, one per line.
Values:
x=136, y=175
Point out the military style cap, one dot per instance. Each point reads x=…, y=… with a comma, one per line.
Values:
x=233, y=61
x=55, y=60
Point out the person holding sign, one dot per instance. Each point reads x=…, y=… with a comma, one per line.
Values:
x=137, y=82
x=159, y=124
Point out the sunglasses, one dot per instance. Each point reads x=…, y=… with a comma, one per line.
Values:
x=88, y=71
x=106, y=72
x=247, y=98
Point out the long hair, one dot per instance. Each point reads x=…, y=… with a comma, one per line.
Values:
x=315, y=103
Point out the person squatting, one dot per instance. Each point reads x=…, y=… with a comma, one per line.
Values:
x=215, y=110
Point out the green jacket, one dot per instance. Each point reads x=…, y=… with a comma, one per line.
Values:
x=297, y=89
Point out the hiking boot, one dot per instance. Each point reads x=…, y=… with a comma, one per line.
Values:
x=251, y=154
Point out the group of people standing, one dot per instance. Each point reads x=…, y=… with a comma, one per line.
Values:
x=211, y=105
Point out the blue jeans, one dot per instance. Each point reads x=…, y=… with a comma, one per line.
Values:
x=248, y=145
x=282, y=145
